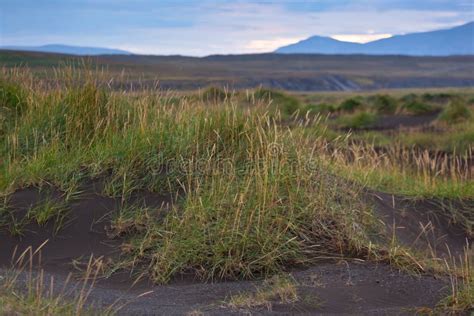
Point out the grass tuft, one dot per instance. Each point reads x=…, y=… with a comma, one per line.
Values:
x=455, y=112
x=278, y=289
x=359, y=120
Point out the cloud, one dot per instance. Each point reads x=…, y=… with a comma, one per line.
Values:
x=206, y=27
x=261, y=46
x=247, y=28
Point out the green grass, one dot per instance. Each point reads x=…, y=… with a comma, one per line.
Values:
x=283, y=103
x=322, y=108
x=214, y=94
x=402, y=171
x=384, y=104
x=249, y=220
x=24, y=291
x=457, y=139
x=256, y=195
x=279, y=289
x=350, y=105
x=438, y=97
x=12, y=103
x=418, y=108
x=461, y=299
x=455, y=112
x=358, y=120
x=47, y=210
x=262, y=213
x=407, y=183
x=14, y=302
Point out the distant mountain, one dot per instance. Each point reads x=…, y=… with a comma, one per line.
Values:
x=455, y=41
x=67, y=49
x=320, y=45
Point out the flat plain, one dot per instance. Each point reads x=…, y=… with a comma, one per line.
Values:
x=296, y=72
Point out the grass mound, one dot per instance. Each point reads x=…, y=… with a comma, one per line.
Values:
x=418, y=108
x=455, y=112
x=384, y=104
x=358, y=120
x=13, y=100
x=322, y=108
x=254, y=195
x=214, y=94
x=12, y=96
x=254, y=208
x=255, y=198
x=284, y=103
x=441, y=97
x=350, y=105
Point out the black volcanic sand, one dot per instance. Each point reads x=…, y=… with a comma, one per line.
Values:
x=329, y=288
x=391, y=122
x=84, y=232
x=424, y=224
x=336, y=287
x=388, y=122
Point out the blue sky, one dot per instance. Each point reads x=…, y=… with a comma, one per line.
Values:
x=203, y=27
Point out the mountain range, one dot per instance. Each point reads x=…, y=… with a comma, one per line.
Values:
x=68, y=49
x=455, y=41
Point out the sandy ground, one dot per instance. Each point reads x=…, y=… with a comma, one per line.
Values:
x=329, y=288
x=387, y=122
x=326, y=288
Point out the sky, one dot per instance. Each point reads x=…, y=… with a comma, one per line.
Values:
x=205, y=27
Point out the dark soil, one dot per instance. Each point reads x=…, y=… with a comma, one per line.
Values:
x=396, y=122
x=336, y=287
x=329, y=288
x=84, y=232
x=387, y=122
x=425, y=224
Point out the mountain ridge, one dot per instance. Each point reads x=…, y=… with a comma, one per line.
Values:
x=69, y=49
x=458, y=40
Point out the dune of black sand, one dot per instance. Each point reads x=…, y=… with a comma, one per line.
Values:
x=327, y=288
